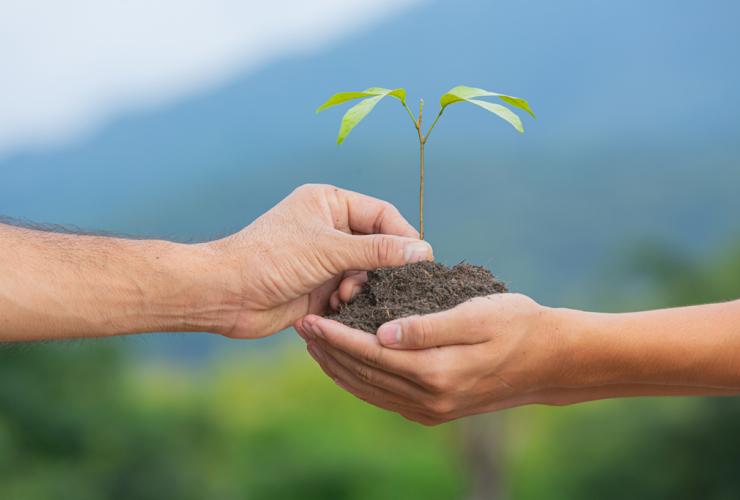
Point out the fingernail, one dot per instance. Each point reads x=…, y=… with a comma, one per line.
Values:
x=317, y=331
x=315, y=353
x=390, y=333
x=417, y=252
x=355, y=291
x=334, y=302
x=307, y=328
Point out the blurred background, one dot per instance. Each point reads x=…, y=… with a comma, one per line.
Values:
x=185, y=120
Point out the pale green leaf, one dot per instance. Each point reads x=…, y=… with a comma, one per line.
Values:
x=399, y=94
x=517, y=102
x=341, y=98
x=377, y=91
x=355, y=114
x=463, y=93
x=359, y=111
x=501, y=111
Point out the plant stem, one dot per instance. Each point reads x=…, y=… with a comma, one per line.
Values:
x=422, y=141
x=433, y=124
x=411, y=115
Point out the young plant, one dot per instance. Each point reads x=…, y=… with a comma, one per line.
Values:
x=370, y=97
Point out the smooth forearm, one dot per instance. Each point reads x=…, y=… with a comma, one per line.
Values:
x=63, y=286
x=692, y=347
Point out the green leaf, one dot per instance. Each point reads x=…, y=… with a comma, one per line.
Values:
x=463, y=93
x=501, y=111
x=399, y=94
x=356, y=113
x=517, y=102
x=342, y=97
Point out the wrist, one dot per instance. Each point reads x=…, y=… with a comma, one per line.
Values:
x=182, y=288
x=587, y=354
x=211, y=286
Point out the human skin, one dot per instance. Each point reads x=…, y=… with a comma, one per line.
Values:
x=284, y=265
x=506, y=350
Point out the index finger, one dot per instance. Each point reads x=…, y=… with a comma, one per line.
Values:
x=369, y=215
x=364, y=346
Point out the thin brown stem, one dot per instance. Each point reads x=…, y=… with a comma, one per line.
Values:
x=433, y=124
x=421, y=190
x=411, y=115
x=422, y=140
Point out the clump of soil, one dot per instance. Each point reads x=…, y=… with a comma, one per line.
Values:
x=421, y=288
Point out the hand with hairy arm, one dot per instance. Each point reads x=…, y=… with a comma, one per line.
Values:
x=506, y=350
x=286, y=264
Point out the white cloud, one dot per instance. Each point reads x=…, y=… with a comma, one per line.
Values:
x=65, y=67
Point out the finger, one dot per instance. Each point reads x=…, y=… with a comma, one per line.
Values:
x=345, y=378
x=419, y=415
x=363, y=346
x=464, y=324
x=370, y=215
x=351, y=286
x=328, y=294
x=320, y=298
x=374, y=251
x=407, y=413
x=299, y=330
x=374, y=376
x=334, y=301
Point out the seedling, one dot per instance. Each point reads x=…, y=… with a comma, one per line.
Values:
x=370, y=97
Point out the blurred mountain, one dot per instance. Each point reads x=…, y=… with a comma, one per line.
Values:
x=636, y=139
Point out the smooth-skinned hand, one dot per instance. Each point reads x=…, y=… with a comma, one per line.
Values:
x=505, y=350
x=477, y=357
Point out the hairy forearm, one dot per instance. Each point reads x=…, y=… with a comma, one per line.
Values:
x=55, y=286
x=695, y=350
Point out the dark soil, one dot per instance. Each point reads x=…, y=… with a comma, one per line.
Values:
x=420, y=288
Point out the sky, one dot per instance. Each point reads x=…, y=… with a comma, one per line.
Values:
x=176, y=122
x=68, y=67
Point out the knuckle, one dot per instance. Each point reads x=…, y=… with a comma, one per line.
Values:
x=364, y=374
x=440, y=383
x=431, y=379
x=372, y=394
x=371, y=357
x=439, y=380
x=442, y=407
x=313, y=191
x=387, y=208
x=303, y=188
x=312, y=188
x=421, y=329
x=438, y=407
x=432, y=418
x=383, y=249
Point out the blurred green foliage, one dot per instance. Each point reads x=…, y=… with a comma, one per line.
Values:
x=84, y=420
x=81, y=421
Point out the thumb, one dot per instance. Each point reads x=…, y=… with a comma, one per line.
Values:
x=379, y=250
x=460, y=325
